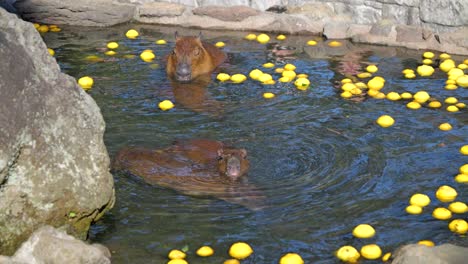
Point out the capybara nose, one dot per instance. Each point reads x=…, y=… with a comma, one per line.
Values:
x=184, y=72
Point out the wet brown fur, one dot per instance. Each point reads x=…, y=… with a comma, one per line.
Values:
x=194, y=167
x=203, y=57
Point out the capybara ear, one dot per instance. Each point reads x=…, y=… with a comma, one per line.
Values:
x=176, y=35
x=243, y=153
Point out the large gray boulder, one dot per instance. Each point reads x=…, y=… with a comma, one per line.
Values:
x=72, y=12
x=421, y=254
x=53, y=162
x=52, y=246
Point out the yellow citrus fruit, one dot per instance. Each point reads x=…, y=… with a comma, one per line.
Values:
x=386, y=256
x=461, y=178
x=132, y=34
x=371, y=251
x=161, y=42
x=393, y=96
x=425, y=70
x=451, y=100
x=452, y=108
x=255, y=74
x=464, y=150
x=281, y=37
x=291, y=258
x=263, y=38
x=428, y=55
x=458, y=226
x=458, y=207
x=112, y=45
x=51, y=51
x=441, y=213
x=421, y=96
x=372, y=68
x=205, y=251
x=364, y=231
x=265, y=77
x=364, y=75
x=238, y=78
x=445, y=127
x=385, y=121
x=290, y=74
x=250, y=36
x=420, y=200
x=147, y=56
x=289, y=67
x=165, y=105
x=311, y=42
x=302, y=83
x=334, y=43
x=464, y=169
x=268, y=65
x=426, y=243
x=375, y=84
x=240, y=250
x=268, y=95
x=406, y=95
x=176, y=254
x=446, y=193
x=346, y=94
x=460, y=105
x=110, y=53
x=86, y=82
x=220, y=44
x=348, y=254
x=435, y=104
x=410, y=75
x=414, y=209
x=223, y=77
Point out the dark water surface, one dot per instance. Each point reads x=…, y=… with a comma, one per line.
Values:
x=323, y=163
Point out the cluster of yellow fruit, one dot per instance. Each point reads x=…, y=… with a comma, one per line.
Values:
x=350, y=254
x=261, y=38
x=238, y=251
x=287, y=72
x=445, y=194
x=46, y=28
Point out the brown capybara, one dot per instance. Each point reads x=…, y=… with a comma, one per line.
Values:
x=191, y=58
x=198, y=167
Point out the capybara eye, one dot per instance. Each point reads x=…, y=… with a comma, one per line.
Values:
x=220, y=157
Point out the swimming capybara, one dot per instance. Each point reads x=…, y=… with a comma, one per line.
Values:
x=198, y=167
x=192, y=57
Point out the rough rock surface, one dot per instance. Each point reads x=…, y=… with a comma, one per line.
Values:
x=160, y=9
x=234, y=13
x=420, y=254
x=53, y=162
x=49, y=245
x=72, y=12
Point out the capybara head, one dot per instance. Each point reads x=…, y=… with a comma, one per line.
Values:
x=189, y=59
x=233, y=162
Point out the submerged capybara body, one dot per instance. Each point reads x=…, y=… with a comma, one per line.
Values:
x=191, y=58
x=195, y=167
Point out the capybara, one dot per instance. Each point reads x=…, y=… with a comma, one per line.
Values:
x=198, y=167
x=192, y=57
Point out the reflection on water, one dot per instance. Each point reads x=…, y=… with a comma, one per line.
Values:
x=321, y=161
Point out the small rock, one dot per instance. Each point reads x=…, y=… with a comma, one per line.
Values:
x=160, y=9
x=232, y=13
x=49, y=245
x=409, y=33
